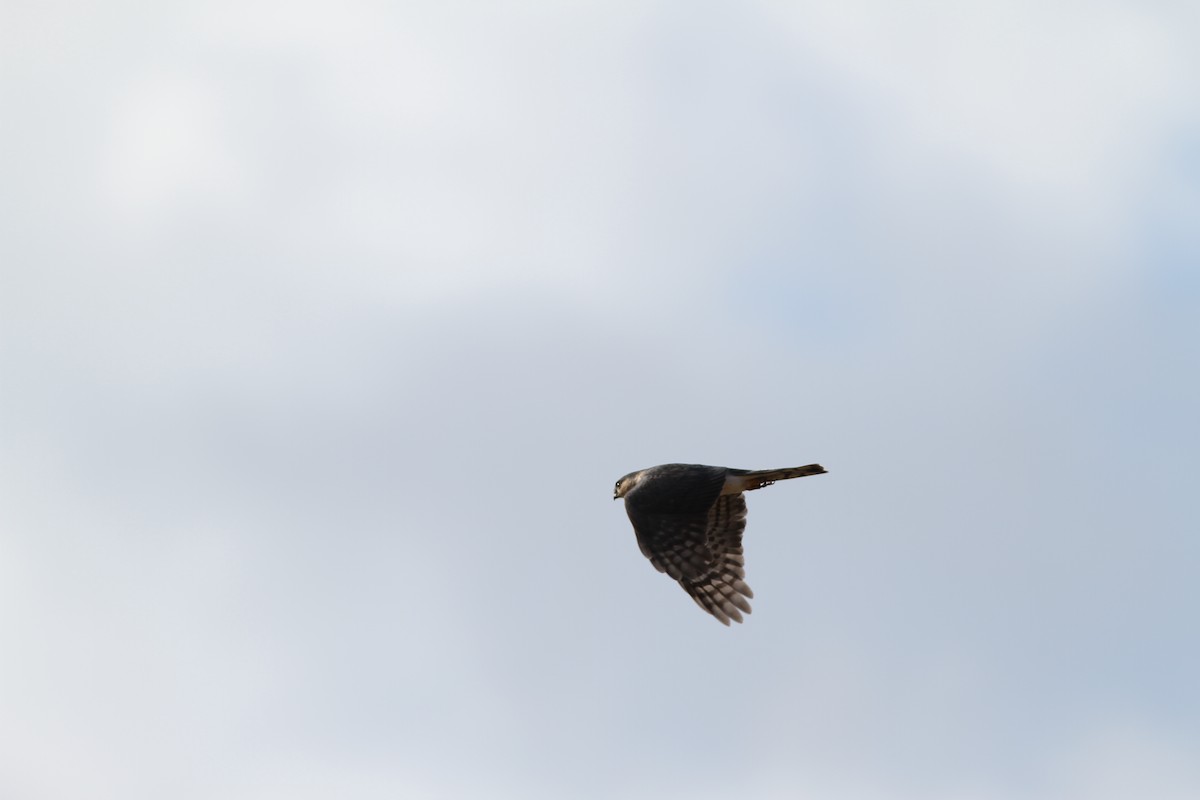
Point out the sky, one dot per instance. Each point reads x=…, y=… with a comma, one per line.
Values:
x=325, y=330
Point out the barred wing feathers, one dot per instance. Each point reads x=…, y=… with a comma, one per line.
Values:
x=702, y=550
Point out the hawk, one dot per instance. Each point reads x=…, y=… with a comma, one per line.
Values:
x=689, y=520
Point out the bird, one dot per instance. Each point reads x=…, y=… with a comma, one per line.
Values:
x=689, y=520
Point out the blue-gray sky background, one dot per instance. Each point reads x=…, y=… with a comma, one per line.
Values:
x=325, y=330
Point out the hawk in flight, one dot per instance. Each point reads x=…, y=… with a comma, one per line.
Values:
x=689, y=520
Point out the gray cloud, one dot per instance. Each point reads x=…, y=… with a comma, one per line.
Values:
x=324, y=335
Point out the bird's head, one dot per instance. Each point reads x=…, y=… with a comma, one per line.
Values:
x=626, y=483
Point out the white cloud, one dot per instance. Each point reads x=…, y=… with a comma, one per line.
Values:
x=1117, y=761
x=306, y=307
x=168, y=149
x=1056, y=102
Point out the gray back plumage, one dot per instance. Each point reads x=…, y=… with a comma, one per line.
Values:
x=676, y=489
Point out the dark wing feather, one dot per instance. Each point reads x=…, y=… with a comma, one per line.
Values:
x=677, y=489
x=702, y=551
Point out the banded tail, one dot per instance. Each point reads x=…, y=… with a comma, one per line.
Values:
x=746, y=480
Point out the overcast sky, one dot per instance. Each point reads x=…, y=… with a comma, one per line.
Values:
x=326, y=328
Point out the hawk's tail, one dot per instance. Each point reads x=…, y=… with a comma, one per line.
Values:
x=758, y=478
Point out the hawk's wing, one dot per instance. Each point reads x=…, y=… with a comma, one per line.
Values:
x=701, y=550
